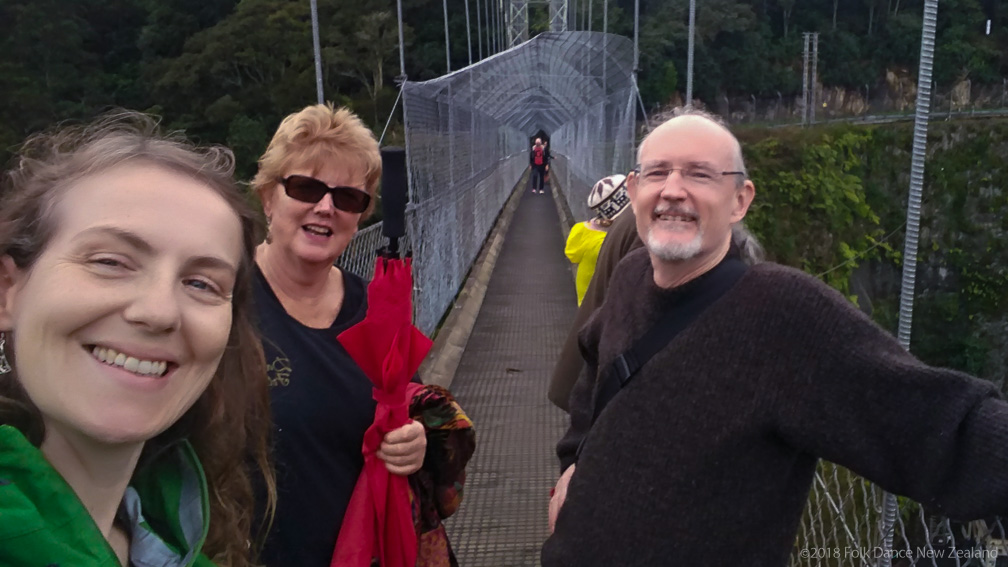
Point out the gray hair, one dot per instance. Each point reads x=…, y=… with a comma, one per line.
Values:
x=749, y=248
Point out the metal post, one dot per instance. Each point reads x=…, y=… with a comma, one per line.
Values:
x=491, y=47
x=636, y=58
x=913, y=219
x=472, y=125
x=451, y=138
x=402, y=89
x=590, y=2
x=504, y=24
x=806, y=38
x=605, y=47
x=689, y=54
x=402, y=56
x=636, y=38
x=489, y=25
x=468, y=31
x=318, y=51
x=447, y=45
x=479, y=33
x=815, y=78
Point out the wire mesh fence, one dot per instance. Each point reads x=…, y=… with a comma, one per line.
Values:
x=468, y=135
x=842, y=527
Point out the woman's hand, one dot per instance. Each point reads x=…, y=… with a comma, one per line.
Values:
x=403, y=449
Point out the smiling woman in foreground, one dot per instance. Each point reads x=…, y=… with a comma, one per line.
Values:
x=135, y=392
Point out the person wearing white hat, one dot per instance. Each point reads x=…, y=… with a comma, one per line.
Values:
x=608, y=198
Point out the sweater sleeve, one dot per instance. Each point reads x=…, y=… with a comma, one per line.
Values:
x=580, y=399
x=855, y=397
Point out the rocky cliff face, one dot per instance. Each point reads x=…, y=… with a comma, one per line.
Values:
x=896, y=93
x=961, y=299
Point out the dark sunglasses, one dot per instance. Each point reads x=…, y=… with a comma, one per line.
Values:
x=311, y=190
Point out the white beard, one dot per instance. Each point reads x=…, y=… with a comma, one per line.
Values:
x=674, y=251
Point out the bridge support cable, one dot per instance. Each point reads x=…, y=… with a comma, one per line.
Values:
x=689, y=53
x=402, y=52
x=447, y=43
x=479, y=33
x=318, y=52
x=468, y=31
x=907, y=288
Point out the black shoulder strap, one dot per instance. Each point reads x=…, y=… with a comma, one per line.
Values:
x=619, y=373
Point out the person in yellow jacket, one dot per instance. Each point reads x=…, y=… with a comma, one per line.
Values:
x=608, y=198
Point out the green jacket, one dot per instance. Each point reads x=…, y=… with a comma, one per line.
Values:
x=44, y=524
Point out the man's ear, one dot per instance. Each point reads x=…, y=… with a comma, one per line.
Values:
x=10, y=278
x=743, y=198
x=631, y=189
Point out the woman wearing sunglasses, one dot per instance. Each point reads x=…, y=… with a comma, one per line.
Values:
x=317, y=181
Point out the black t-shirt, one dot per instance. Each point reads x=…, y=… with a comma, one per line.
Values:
x=322, y=404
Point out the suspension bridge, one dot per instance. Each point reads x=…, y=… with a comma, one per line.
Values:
x=493, y=284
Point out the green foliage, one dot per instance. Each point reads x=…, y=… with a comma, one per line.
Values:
x=811, y=210
x=247, y=138
x=833, y=202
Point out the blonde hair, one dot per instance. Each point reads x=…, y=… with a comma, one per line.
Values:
x=229, y=425
x=315, y=135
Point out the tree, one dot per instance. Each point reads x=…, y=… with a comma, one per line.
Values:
x=260, y=56
x=787, y=6
x=366, y=55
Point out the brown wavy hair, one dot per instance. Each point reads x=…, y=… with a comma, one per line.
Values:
x=229, y=425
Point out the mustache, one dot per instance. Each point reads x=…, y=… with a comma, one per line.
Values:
x=675, y=210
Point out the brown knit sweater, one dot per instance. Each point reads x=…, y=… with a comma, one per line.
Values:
x=707, y=456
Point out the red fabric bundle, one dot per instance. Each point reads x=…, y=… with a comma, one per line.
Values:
x=388, y=348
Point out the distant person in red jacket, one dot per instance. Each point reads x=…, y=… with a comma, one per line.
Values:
x=539, y=161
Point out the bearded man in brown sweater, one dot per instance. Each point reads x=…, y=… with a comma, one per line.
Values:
x=705, y=455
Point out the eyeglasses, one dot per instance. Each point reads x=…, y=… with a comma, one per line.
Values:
x=310, y=190
x=691, y=174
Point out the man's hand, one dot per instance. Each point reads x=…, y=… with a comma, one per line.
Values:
x=403, y=449
x=559, y=495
